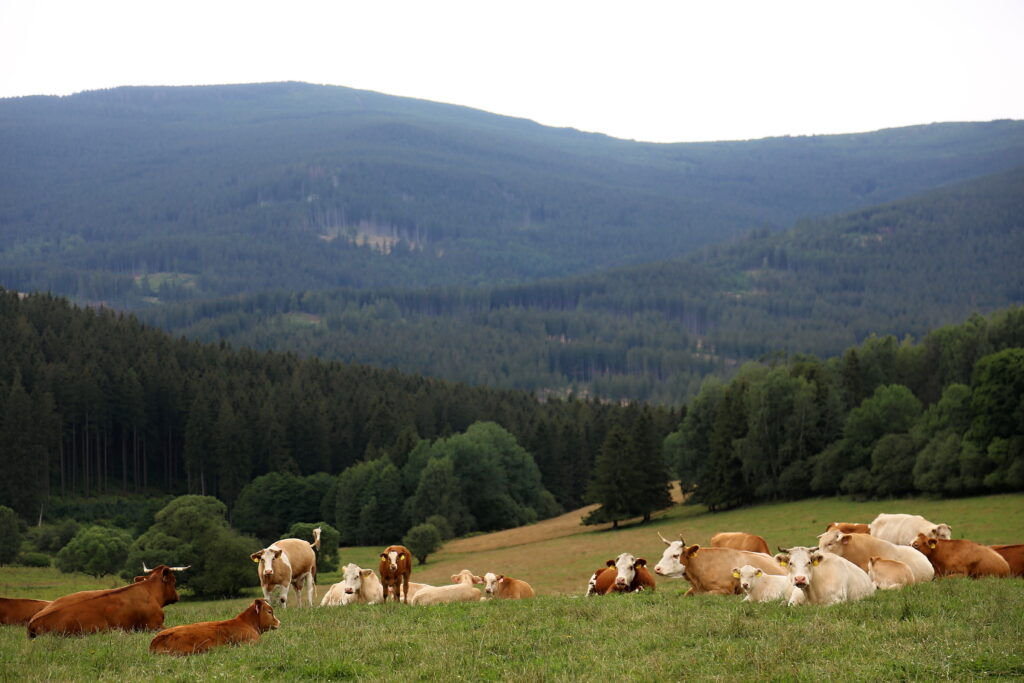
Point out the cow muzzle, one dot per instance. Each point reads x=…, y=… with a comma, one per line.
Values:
x=800, y=582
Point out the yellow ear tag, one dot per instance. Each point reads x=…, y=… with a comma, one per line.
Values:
x=815, y=562
x=932, y=543
x=256, y=560
x=401, y=556
x=695, y=552
x=783, y=563
x=736, y=575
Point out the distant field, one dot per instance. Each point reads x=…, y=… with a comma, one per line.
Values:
x=951, y=629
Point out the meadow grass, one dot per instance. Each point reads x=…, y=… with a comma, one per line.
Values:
x=956, y=629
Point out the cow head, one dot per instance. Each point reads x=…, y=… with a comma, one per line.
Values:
x=834, y=542
x=800, y=561
x=942, y=531
x=466, y=577
x=352, y=578
x=391, y=559
x=625, y=570
x=747, y=576
x=672, y=561
x=270, y=559
x=265, y=618
x=164, y=578
x=925, y=545
x=491, y=582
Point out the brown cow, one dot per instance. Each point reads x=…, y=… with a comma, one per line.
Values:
x=624, y=574
x=192, y=639
x=19, y=611
x=395, y=568
x=849, y=527
x=961, y=557
x=709, y=570
x=133, y=607
x=505, y=587
x=1014, y=556
x=738, y=540
x=859, y=548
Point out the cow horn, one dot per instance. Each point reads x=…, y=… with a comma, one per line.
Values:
x=145, y=569
x=783, y=550
x=180, y=569
x=667, y=542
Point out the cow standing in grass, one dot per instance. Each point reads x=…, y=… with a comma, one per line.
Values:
x=395, y=568
x=288, y=562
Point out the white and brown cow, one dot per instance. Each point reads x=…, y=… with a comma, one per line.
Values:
x=357, y=585
x=860, y=548
x=624, y=574
x=290, y=562
x=505, y=587
x=709, y=570
x=395, y=568
x=821, y=578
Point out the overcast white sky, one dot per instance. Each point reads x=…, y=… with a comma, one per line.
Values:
x=658, y=71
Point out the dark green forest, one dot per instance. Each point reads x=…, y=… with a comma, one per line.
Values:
x=136, y=196
x=653, y=332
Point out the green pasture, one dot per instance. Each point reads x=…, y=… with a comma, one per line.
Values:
x=956, y=629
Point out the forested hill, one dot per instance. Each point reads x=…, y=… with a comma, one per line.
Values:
x=192, y=192
x=655, y=331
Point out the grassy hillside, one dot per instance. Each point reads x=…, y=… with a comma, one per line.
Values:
x=242, y=188
x=951, y=629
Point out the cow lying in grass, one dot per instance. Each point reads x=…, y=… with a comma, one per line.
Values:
x=760, y=587
x=461, y=590
x=505, y=587
x=357, y=585
x=192, y=639
x=624, y=574
x=19, y=611
x=821, y=578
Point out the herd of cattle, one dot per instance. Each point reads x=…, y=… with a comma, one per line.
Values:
x=849, y=562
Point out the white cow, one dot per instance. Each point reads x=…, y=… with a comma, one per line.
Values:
x=860, y=548
x=461, y=590
x=823, y=578
x=288, y=562
x=357, y=585
x=903, y=529
x=760, y=587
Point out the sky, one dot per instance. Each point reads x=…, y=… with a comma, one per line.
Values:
x=678, y=71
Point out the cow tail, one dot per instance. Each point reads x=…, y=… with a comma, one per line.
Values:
x=316, y=539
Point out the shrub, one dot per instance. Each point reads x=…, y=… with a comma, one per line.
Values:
x=421, y=540
x=95, y=550
x=34, y=560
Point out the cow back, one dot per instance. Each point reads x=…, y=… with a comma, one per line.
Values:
x=1014, y=556
x=709, y=570
x=739, y=540
x=19, y=611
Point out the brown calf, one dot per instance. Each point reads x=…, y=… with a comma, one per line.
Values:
x=961, y=557
x=1014, y=556
x=192, y=639
x=19, y=611
x=849, y=527
x=395, y=568
x=505, y=587
x=738, y=540
x=625, y=574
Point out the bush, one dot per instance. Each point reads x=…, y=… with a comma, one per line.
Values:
x=330, y=539
x=421, y=540
x=50, y=538
x=10, y=535
x=95, y=550
x=34, y=560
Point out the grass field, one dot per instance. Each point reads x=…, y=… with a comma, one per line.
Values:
x=950, y=629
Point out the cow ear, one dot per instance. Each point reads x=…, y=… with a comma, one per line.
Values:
x=844, y=539
x=383, y=556
x=692, y=550
x=256, y=556
x=365, y=572
x=735, y=573
x=815, y=560
x=256, y=606
x=501, y=578
x=932, y=543
x=641, y=562
x=758, y=573
x=610, y=563
x=782, y=559
x=401, y=556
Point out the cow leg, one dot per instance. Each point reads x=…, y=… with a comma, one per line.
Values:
x=405, y=588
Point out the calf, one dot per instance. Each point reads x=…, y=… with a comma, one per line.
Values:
x=289, y=562
x=137, y=606
x=709, y=570
x=624, y=574
x=19, y=611
x=461, y=590
x=859, y=548
x=849, y=527
x=902, y=529
x=505, y=587
x=1014, y=556
x=961, y=557
x=357, y=585
x=738, y=540
x=192, y=639
x=761, y=587
x=887, y=574
x=823, y=578
x=395, y=568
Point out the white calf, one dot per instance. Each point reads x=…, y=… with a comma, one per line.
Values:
x=460, y=591
x=761, y=587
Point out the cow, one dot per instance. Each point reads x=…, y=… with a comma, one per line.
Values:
x=859, y=548
x=738, y=540
x=624, y=574
x=19, y=611
x=134, y=607
x=760, y=587
x=395, y=568
x=192, y=639
x=849, y=527
x=902, y=529
x=1014, y=556
x=289, y=562
x=709, y=570
x=823, y=578
x=415, y=588
x=888, y=574
x=357, y=585
x=505, y=587
x=961, y=557
x=461, y=590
